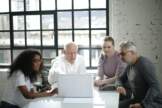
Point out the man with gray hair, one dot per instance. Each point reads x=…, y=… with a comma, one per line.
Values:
x=138, y=84
x=68, y=63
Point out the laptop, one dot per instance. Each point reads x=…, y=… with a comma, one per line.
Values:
x=75, y=85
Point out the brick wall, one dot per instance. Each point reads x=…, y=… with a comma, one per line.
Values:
x=139, y=21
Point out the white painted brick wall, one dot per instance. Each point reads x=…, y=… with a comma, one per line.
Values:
x=139, y=21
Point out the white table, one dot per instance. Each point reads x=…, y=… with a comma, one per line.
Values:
x=101, y=99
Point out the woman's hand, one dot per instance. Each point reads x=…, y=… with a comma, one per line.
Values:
x=99, y=83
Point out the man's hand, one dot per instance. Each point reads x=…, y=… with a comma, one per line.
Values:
x=136, y=105
x=55, y=91
x=121, y=90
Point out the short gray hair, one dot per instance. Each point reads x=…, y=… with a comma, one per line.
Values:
x=69, y=44
x=129, y=45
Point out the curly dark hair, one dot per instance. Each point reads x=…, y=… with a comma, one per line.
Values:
x=24, y=62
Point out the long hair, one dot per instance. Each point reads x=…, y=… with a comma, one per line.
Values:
x=24, y=62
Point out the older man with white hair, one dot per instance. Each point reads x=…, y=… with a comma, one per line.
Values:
x=138, y=84
x=68, y=63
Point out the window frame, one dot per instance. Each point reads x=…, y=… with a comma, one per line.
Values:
x=54, y=12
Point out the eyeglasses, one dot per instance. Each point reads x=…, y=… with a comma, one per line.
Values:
x=124, y=53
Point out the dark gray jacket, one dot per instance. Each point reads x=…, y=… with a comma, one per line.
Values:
x=142, y=83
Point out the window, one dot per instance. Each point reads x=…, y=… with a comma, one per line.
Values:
x=18, y=22
x=64, y=37
x=33, y=38
x=48, y=38
x=81, y=4
x=98, y=19
x=5, y=57
x=4, y=39
x=4, y=4
x=4, y=21
x=33, y=22
x=46, y=25
x=17, y=5
x=98, y=4
x=85, y=53
x=64, y=20
x=48, y=4
x=64, y=4
x=81, y=19
x=19, y=38
x=32, y=5
x=47, y=22
x=97, y=37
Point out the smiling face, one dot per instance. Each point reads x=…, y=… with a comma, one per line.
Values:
x=37, y=61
